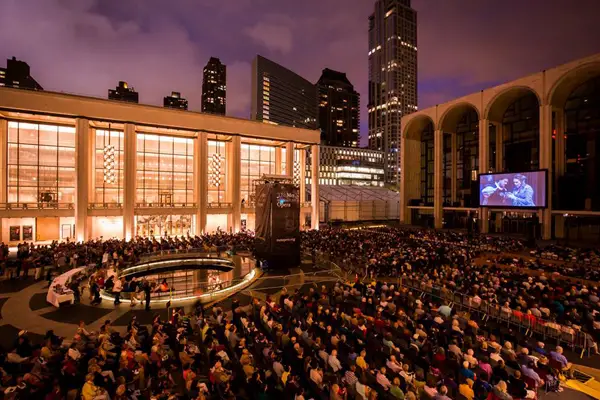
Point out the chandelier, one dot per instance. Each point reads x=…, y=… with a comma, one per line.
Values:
x=296, y=178
x=109, y=164
x=214, y=170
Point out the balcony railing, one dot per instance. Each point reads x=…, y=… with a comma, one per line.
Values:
x=37, y=206
x=104, y=206
x=165, y=205
x=218, y=205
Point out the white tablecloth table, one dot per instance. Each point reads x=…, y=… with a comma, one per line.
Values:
x=55, y=298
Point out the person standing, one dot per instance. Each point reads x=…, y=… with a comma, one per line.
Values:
x=117, y=288
x=147, y=291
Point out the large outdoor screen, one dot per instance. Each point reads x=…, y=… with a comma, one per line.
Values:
x=508, y=190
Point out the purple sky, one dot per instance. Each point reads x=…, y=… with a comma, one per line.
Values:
x=159, y=46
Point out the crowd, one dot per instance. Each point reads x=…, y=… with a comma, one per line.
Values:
x=353, y=340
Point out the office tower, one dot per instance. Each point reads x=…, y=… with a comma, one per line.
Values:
x=16, y=75
x=175, y=101
x=338, y=109
x=282, y=97
x=392, y=77
x=214, y=87
x=123, y=93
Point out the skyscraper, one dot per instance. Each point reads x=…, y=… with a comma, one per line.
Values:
x=123, y=93
x=338, y=109
x=175, y=101
x=214, y=87
x=17, y=75
x=392, y=77
x=282, y=97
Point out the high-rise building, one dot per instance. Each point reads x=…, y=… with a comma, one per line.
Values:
x=392, y=77
x=17, y=75
x=123, y=92
x=214, y=87
x=338, y=104
x=175, y=101
x=282, y=97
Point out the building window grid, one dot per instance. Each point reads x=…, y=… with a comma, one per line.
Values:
x=427, y=167
x=109, y=193
x=256, y=161
x=52, y=179
x=467, y=147
x=165, y=170
x=521, y=135
x=447, y=182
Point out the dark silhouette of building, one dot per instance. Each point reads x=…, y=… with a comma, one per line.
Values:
x=392, y=77
x=282, y=97
x=123, y=93
x=338, y=109
x=17, y=75
x=175, y=101
x=214, y=87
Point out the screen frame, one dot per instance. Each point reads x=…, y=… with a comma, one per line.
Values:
x=545, y=206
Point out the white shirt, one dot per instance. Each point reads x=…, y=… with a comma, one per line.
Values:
x=334, y=363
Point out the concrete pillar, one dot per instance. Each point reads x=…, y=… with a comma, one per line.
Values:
x=454, y=169
x=129, y=189
x=302, y=188
x=289, y=159
x=83, y=158
x=3, y=168
x=314, y=192
x=410, y=179
x=236, y=182
x=546, y=163
x=201, y=180
x=499, y=146
x=438, y=179
x=484, y=160
x=560, y=165
x=278, y=169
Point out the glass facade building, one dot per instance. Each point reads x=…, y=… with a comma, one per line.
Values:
x=105, y=169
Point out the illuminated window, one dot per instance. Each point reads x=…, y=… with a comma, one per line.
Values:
x=256, y=160
x=165, y=170
x=41, y=163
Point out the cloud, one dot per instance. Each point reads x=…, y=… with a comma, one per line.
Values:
x=238, y=89
x=273, y=35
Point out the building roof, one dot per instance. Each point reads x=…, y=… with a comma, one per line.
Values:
x=75, y=106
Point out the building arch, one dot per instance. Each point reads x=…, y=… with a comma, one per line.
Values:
x=498, y=104
x=451, y=117
x=414, y=127
x=570, y=81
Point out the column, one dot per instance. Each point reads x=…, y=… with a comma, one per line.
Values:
x=278, y=169
x=314, y=190
x=82, y=160
x=201, y=180
x=289, y=159
x=410, y=177
x=438, y=179
x=236, y=170
x=454, y=170
x=559, y=166
x=3, y=167
x=546, y=163
x=499, y=146
x=484, y=160
x=130, y=173
x=302, y=189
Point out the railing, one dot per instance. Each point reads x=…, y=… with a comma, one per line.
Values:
x=218, y=205
x=165, y=253
x=249, y=204
x=165, y=205
x=104, y=206
x=37, y=206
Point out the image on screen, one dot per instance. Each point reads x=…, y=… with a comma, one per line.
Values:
x=520, y=189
